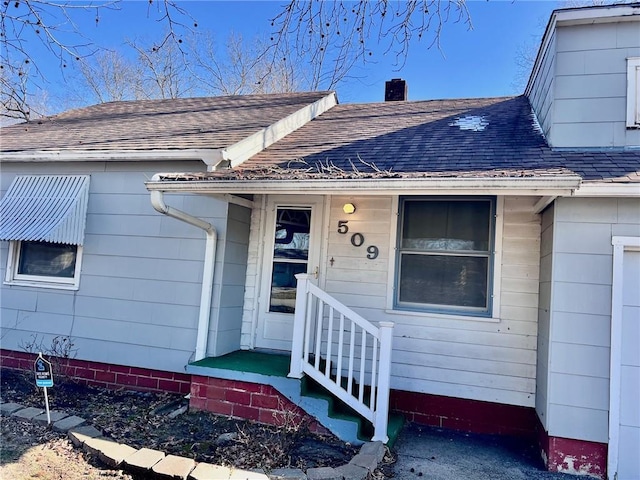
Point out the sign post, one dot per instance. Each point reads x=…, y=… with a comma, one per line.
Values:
x=44, y=379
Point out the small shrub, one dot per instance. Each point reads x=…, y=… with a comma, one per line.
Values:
x=58, y=352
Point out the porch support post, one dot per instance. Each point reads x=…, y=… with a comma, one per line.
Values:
x=299, y=320
x=381, y=418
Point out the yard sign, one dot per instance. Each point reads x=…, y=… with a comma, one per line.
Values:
x=44, y=379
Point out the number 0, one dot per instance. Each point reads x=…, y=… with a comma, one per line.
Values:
x=357, y=239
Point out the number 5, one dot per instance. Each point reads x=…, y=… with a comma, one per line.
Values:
x=342, y=226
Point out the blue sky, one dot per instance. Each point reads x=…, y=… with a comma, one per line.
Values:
x=471, y=63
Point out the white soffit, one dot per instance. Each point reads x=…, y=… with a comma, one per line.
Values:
x=45, y=208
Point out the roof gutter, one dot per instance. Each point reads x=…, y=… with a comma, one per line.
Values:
x=608, y=189
x=157, y=200
x=547, y=186
x=205, y=155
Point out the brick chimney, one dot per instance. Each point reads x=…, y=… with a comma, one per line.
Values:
x=395, y=90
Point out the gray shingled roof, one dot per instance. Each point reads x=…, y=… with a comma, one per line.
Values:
x=184, y=123
x=463, y=137
x=491, y=137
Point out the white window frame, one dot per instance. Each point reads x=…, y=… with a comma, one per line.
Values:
x=633, y=92
x=493, y=285
x=14, y=278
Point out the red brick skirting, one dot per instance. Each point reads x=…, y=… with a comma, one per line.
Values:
x=252, y=401
x=464, y=415
x=577, y=457
x=103, y=374
x=265, y=404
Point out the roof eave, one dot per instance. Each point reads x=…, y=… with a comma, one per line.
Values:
x=608, y=189
x=553, y=185
x=204, y=155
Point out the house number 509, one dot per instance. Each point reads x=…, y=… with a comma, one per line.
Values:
x=357, y=240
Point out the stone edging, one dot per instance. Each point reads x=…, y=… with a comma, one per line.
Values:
x=156, y=464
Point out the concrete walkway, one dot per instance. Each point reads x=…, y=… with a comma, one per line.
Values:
x=434, y=454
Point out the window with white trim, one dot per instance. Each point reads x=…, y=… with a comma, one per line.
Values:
x=44, y=217
x=44, y=264
x=633, y=92
x=445, y=255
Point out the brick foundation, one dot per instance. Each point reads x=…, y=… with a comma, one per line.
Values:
x=265, y=404
x=464, y=415
x=252, y=401
x=577, y=457
x=104, y=374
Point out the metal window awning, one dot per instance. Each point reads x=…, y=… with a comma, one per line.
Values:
x=45, y=208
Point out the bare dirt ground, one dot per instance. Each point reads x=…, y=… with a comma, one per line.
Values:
x=139, y=419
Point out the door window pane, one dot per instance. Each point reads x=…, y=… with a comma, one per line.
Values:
x=292, y=234
x=290, y=256
x=283, y=286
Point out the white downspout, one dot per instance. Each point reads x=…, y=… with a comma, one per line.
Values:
x=157, y=200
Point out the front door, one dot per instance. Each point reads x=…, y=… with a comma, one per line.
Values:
x=292, y=246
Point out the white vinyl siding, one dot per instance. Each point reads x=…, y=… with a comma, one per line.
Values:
x=446, y=354
x=575, y=316
x=141, y=273
x=544, y=314
x=226, y=318
x=543, y=87
x=253, y=273
x=590, y=93
x=466, y=357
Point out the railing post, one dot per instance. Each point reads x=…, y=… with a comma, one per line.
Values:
x=299, y=320
x=381, y=418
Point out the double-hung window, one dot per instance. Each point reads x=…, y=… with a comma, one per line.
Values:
x=445, y=254
x=43, y=217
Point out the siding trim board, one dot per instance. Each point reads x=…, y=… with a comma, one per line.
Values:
x=620, y=245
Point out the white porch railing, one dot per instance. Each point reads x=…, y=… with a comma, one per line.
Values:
x=338, y=348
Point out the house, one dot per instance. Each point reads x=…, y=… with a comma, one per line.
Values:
x=471, y=263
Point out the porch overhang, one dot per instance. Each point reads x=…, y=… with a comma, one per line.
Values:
x=557, y=185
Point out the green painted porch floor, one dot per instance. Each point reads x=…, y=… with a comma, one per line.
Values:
x=275, y=365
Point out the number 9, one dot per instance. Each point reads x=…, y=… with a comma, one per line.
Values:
x=372, y=252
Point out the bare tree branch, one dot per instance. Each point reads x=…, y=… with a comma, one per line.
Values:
x=314, y=45
x=110, y=76
x=348, y=29
x=57, y=27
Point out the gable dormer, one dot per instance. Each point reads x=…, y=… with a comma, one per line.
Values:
x=584, y=86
